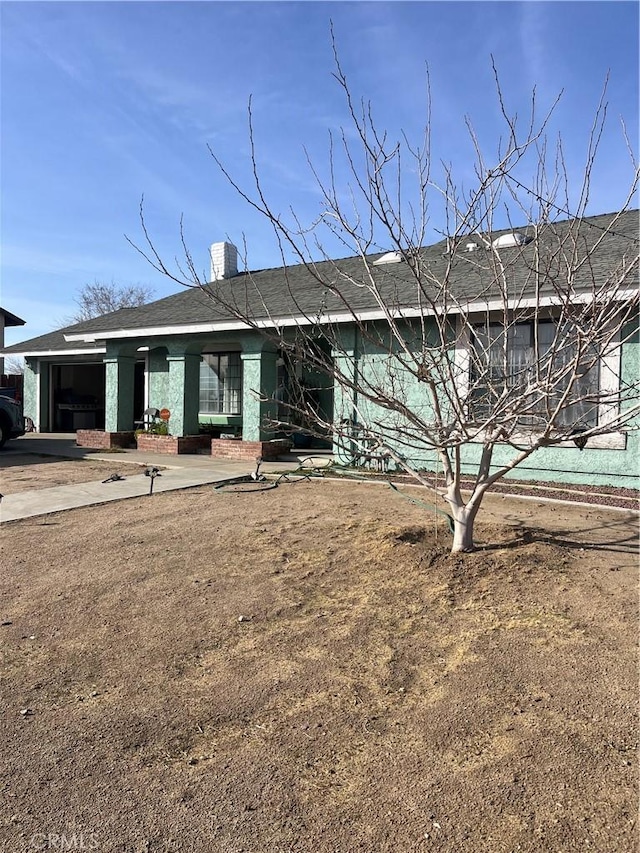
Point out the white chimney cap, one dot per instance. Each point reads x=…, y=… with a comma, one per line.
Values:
x=224, y=261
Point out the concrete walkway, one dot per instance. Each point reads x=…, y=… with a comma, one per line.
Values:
x=180, y=472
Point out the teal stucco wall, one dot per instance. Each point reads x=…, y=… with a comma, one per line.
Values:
x=173, y=383
x=158, y=377
x=30, y=391
x=563, y=464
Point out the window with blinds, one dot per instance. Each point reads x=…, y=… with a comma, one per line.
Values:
x=221, y=384
x=529, y=369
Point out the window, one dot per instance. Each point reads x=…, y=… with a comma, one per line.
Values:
x=221, y=383
x=513, y=366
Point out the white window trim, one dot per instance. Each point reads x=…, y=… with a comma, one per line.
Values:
x=219, y=351
x=610, y=375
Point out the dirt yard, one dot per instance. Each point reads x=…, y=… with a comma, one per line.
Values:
x=22, y=472
x=306, y=670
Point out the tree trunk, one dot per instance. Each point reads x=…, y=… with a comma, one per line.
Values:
x=463, y=533
x=463, y=521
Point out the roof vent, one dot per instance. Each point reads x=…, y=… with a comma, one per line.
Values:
x=471, y=247
x=389, y=258
x=507, y=241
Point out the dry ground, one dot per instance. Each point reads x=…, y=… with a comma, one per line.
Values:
x=377, y=694
x=22, y=472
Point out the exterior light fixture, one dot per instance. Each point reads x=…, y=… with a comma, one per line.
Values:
x=578, y=438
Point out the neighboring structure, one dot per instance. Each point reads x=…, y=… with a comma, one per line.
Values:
x=184, y=354
x=7, y=319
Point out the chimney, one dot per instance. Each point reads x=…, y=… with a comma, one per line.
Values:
x=224, y=261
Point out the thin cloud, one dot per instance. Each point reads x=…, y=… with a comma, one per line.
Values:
x=535, y=48
x=32, y=259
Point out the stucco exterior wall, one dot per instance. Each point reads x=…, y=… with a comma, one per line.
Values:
x=563, y=464
x=566, y=464
x=30, y=391
x=158, y=377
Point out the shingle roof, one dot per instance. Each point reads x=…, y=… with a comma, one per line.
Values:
x=294, y=291
x=52, y=341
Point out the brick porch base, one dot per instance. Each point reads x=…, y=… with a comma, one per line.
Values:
x=173, y=444
x=225, y=448
x=98, y=439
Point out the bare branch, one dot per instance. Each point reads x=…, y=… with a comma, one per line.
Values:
x=500, y=341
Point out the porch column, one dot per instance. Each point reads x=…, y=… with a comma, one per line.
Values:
x=259, y=381
x=345, y=362
x=35, y=393
x=183, y=397
x=119, y=381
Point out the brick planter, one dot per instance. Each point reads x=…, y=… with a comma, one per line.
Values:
x=225, y=448
x=172, y=444
x=98, y=439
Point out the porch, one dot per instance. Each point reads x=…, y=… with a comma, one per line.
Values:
x=216, y=396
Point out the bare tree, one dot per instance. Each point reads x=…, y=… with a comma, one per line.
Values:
x=471, y=354
x=99, y=298
x=13, y=365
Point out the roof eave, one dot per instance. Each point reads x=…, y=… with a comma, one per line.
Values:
x=332, y=318
x=12, y=319
x=47, y=353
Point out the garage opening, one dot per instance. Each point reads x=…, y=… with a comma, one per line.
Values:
x=78, y=396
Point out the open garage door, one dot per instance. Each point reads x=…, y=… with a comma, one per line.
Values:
x=77, y=397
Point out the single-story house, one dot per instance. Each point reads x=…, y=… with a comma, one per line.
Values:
x=187, y=355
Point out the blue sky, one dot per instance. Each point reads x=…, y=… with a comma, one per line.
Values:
x=103, y=102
